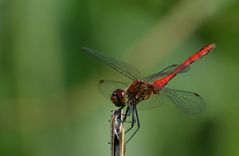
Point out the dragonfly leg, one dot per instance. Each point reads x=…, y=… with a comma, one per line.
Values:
x=132, y=109
x=138, y=125
x=127, y=113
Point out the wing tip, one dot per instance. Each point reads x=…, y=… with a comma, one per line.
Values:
x=84, y=49
x=101, y=81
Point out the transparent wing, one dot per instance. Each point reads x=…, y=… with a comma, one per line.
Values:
x=164, y=72
x=153, y=102
x=120, y=66
x=106, y=87
x=188, y=102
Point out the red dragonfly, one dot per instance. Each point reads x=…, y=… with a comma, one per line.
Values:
x=144, y=88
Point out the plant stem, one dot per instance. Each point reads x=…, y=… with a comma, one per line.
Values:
x=117, y=133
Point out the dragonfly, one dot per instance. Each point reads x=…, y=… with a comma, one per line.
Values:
x=133, y=95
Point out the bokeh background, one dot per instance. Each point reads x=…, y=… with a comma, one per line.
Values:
x=49, y=102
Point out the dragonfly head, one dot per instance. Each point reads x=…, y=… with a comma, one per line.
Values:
x=118, y=97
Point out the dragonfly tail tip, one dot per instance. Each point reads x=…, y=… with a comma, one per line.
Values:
x=213, y=46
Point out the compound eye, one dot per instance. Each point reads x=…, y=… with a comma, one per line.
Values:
x=118, y=97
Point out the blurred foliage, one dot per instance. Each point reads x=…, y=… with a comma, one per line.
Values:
x=49, y=103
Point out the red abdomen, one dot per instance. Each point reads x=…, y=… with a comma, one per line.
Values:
x=204, y=51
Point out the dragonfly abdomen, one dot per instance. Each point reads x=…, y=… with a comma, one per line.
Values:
x=163, y=81
x=204, y=51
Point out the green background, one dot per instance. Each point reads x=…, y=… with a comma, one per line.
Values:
x=49, y=103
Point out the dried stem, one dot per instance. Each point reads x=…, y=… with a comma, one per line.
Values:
x=117, y=134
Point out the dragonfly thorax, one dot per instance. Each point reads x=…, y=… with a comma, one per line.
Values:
x=139, y=91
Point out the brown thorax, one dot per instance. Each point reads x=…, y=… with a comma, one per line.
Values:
x=139, y=91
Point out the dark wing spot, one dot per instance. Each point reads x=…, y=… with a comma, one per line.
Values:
x=196, y=94
x=101, y=81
